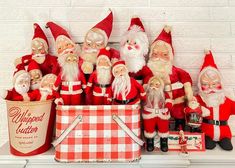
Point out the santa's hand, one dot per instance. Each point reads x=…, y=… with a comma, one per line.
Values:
x=59, y=101
x=17, y=61
x=3, y=93
x=87, y=67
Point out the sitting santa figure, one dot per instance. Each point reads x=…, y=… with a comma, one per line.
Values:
x=134, y=48
x=125, y=89
x=176, y=79
x=70, y=80
x=35, y=75
x=212, y=97
x=101, y=79
x=156, y=113
x=40, y=48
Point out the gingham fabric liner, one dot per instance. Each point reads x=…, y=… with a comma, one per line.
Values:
x=97, y=137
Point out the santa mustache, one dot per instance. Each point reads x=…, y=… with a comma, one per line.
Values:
x=91, y=50
x=159, y=59
x=68, y=50
x=211, y=91
x=38, y=55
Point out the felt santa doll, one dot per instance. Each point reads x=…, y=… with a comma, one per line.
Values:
x=35, y=75
x=125, y=89
x=95, y=39
x=176, y=79
x=40, y=48
x=101, y=79
x=134, y=47
x=21, y=85
x=70, y=80
x=212, y=97
x=63, y=41
x=156, y=113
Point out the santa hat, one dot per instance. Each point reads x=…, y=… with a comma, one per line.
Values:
x=119, y=64
x=33, y=65
x=19, y=71
x=104, y=53
x=136, y=23
x=57, y=31
x=40, y=35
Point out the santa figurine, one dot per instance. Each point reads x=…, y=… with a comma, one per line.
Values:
x=35, y=75
x=40, y=48
x=21, y=86
x=212, y=97
x=101, y=79
x=70, y=80
x=63, y=41
x=183, y=142
x=95, y=39
x=176, y=79
x=134, y=47
x=125, y=89
x=156, y=113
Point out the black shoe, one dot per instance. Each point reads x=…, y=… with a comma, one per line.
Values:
x=164, y=144
x=210, y=144
x=150, y=144
x=195, y=129
x=226, y=144
x=178, y=123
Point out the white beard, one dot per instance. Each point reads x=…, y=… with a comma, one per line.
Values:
x=154, y=97
x=213, y=99
x=21, y=89
x=159, y=67
x=35, y=86
x=103, y=75
x=121, y=85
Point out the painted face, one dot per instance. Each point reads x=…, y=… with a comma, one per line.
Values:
x=48, y=81
x=22, y=83
x=120, y=71
x=132, y=44
x=71, y=58
x=35, y=75
x=38, y=47
x=103, y=62
x=160, y=52
x=64, y=45
x=155, y=84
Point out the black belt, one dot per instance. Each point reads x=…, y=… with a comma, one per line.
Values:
x=215, y=122
x=101, y=85
x=125, y=101
x=138, y=77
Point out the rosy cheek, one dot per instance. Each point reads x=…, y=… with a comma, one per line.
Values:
x=204, y=88
x=219, y=87
x=137, y=47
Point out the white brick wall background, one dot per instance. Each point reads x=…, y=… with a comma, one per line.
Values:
x=197, y=24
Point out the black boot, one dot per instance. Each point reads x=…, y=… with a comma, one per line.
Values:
x=164, y=144
x=210, y=144
x=150, y=144
x=179, y=122
x=226, y=144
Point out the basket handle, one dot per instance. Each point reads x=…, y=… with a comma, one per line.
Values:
x=65, y=133
x=127, y=130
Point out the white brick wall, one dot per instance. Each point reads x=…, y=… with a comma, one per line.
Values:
x=197, y=24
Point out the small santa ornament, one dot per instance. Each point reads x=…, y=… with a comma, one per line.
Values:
x=183, y=142
x=63, y=42
x=125, y=89
x=101, y=79
x=134, y=48
x=21, y=85
x=156, y=114
x=176, y=79
x=35, y=75
x=212, y=97
x=70, y=80
x=40, y=48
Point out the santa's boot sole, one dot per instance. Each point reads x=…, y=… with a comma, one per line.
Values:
x=210, y=144
x=226, y=144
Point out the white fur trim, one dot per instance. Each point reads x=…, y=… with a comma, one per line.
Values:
x=59, y=100
x=205, y=111
x=168, y=101
x=143, y=94
x=163, y=135
x=216, y=127
x=84, y=86
x=89, y=84
x=71, y=83
x=55, y=88
x=156, y=113
x=150, y=135
x=64, y=92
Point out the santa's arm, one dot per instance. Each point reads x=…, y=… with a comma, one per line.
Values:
x=6, y=94
x=23, y=60
x=147, y=73
x=168, y=100
x=141, y=91
x=83, y=80
x=90, y=82
x=57, y=82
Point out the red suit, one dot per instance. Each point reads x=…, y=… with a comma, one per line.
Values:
x=183, y=142
x=143, y=75
x=219, y=115
x=71, y=91
x=38, y=95
x=101, y=93
x=157, y=117
x=15, y=96
x=133, y=97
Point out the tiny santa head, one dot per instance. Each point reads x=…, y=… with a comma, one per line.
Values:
x=47, y=82
x=134, y=45
x=210, y=82
x=35, y=75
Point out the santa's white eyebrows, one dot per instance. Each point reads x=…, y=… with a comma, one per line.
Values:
x=40, y=47
x=99, y=42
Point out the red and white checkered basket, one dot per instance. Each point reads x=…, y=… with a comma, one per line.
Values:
x=98, y=133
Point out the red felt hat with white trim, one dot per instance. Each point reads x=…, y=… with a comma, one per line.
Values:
x=33, y=65
x=38, y=33
x=208, y=61
x=104, y=52
x=135, y=21
x=57, y=30
x=19, y=70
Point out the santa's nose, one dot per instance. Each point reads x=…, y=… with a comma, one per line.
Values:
x=129, y=47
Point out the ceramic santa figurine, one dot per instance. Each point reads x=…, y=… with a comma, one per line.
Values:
x=156, y=114
x=212, y=97
x=35, y=75
x=95, y=39
x=134, y=47
x=101, y=79
x=176, y=79
x=21, y=85
x=70, y=80
x=125, y=89
x=63, y=41
x=40, y=48
x=183, y=142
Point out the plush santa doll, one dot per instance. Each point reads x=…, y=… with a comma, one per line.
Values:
x=134, y=48
x=212, y=97
x=95, y=39
x=40, y=47
x=176, y=79
x=70, y=80
x=156, y=113
x=63, y=42
x=125, y=89
x=101, y=79
x=21, y=84
x=35, y=75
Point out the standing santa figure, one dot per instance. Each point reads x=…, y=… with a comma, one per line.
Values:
x=35, y=75
x=40, y=48
x=101, y=79
x=134, y=48
x=212, y=97
x=125, y=89
x=176, y=79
